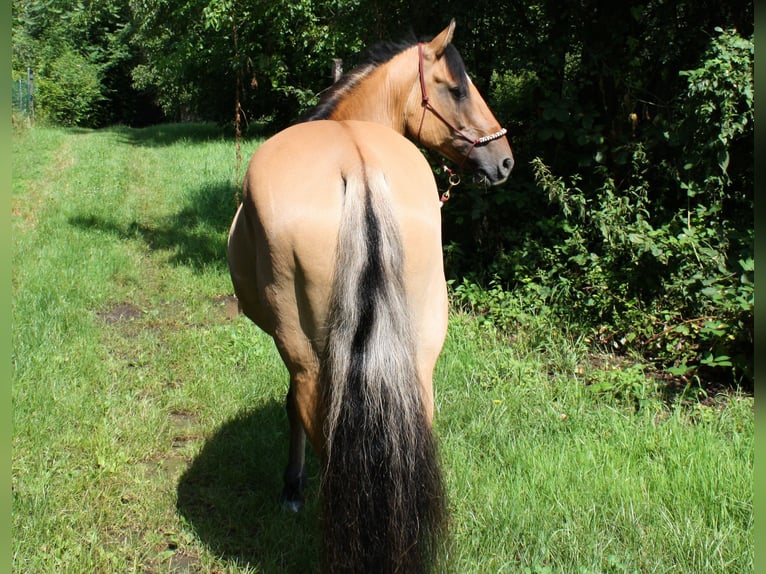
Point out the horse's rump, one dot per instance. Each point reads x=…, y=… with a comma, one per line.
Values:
x=283, y=242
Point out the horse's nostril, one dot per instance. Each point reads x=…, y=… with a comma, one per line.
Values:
x=508, y=164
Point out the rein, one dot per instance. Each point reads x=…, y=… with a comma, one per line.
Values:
x=454, y=178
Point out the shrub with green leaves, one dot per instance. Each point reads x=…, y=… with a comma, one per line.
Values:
x=70, y=90
x=661, y=260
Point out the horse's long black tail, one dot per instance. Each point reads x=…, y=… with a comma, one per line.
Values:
x=382, y=496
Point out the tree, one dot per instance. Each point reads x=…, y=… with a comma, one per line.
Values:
x=80, y=53
x=282, y=57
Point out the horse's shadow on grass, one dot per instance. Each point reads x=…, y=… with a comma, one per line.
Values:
x=229, y=496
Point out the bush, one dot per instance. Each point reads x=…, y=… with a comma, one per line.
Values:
x=69, y=90
x=648, y=241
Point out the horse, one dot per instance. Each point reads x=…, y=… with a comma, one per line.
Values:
x=335, y=251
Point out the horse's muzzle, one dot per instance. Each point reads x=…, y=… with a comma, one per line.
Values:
x=495, y=174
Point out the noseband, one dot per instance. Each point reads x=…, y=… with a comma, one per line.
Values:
x=427, y=106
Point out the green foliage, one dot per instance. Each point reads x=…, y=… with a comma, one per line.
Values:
x=670, y=277
x=628, y=384
x=718, y=105
x=281, y=59
x=70, y=90
x=50, y=36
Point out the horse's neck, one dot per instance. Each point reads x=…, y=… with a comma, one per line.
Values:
x=382, y=97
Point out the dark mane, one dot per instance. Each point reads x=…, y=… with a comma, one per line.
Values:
x=378, y=55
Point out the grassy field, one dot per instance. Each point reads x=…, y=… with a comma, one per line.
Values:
x=149, y=428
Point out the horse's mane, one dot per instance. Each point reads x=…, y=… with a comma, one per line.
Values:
x=378, y=55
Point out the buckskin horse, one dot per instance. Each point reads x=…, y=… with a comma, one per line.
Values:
x=335, y=251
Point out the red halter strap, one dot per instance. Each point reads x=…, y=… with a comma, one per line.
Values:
x=426, y=104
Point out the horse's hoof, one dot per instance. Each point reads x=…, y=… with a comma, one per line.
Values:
x=292, y=492
x=293, y=506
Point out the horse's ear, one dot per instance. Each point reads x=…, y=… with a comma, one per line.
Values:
x=440, y=43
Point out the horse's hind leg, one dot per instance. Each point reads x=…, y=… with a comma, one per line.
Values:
x=295, y=473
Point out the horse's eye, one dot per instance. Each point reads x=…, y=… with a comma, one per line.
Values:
x=457, y=93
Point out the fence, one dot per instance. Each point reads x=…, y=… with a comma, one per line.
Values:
x=22, y=94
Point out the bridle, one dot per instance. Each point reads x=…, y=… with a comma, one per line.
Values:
x=454, y=179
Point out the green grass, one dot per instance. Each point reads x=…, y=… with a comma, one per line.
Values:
x=149, y=431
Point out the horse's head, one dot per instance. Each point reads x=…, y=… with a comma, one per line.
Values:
x=447, y=113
